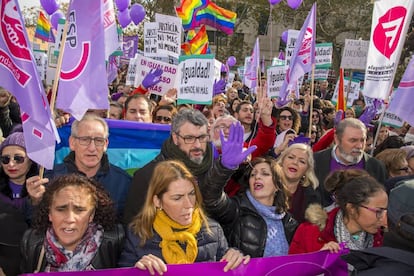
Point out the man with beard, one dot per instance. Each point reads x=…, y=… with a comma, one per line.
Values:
x=348, y=153
x=189, y=143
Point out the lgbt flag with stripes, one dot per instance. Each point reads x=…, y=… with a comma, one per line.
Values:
x=197, y=43
x=44, y=29
x=131, y=144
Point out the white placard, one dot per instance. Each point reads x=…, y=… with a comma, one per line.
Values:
x=321, y=74
x=323, y=55
x=40, y=58
x=355, y=54
x=150, y=39
x=195, y=79
x=275, y=77
x=168, y=35
x=352, y=95
x=290, y=46
x=132, y=71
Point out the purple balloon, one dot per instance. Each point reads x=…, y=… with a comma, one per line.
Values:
x=124, y=18
x=54, y=18
x=274, y=2
x=122, y=4
x=285, y=36
x=294, y=4
x=137, y=13
x=231, y=61
x=50, y=6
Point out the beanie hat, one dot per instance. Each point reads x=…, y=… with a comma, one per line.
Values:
x=400, y=203
x=14, y=139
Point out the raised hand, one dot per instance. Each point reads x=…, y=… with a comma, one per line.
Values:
x=152, y=78
x=232, y=152
x=219, y=87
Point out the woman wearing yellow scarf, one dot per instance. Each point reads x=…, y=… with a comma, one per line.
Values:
x=172, y=227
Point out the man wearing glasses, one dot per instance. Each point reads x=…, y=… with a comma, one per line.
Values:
x=88, y=143
x=189, y=143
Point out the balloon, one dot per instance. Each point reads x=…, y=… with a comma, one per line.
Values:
x=54, y=18
x=285, y=36
x=122, y=4
x=137, y=13
x=274, y=2
x=50, y=6
x=294, y=4
x=231, y=61
x=124, y=18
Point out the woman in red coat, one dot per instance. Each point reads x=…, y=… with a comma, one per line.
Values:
x=357, y=220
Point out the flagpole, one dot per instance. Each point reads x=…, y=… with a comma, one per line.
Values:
x=311, y=99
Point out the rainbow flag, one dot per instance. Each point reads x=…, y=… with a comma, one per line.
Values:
x=197, y=43
x=44, y=29
x=196, y=13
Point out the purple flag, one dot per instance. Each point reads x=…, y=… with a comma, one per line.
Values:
x=317, y=263
x=19, y=76
x=83, y=83
x=401, y=104
x=112, y=68
x=303, y=56
x=251, y=74
x=130, y=46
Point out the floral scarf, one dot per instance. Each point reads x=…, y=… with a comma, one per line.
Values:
x=60, y=259
x=355, y=242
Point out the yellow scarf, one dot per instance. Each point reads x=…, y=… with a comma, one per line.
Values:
x=170, y=247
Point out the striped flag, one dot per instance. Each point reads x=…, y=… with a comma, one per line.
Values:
x=341, y=103
x=197, y=43
x=44, y=29
x=19, y=76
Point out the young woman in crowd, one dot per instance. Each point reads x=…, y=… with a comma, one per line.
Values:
x=255, y=220
x=73, y=230
x=356, y=221
x=172, y=228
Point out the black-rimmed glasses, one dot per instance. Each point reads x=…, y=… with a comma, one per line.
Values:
x=379, y=212
x=18, y=159
x=189, y=139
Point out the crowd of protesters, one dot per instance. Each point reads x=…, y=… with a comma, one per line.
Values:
x=241, y=178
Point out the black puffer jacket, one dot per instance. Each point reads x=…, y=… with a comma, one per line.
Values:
x=244, y=228
x=107, y=256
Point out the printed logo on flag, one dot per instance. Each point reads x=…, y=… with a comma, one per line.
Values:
x=306, y=46
x=11, y=31
x=388, y=30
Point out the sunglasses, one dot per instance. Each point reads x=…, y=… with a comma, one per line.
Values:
x=18, y=159
x=284, y=117
x=162, y=118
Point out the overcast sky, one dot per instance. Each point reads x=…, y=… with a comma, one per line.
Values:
x=36, y=3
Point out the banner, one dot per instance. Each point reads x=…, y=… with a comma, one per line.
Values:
x=390, y=21
x=195, y=79
x=317, y=263
x=168, y=35
x=131, y=144
x=150, y=39
x=144, y=65
x=19, y=76
x=275, y=77
x=355, y=54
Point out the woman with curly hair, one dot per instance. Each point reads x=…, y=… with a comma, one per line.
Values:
x=73, y=229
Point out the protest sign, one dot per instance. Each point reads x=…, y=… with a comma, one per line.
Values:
x=144, y=65
x=321, y=74
x=323, y=55
x=352, y=95
x=290, y=46
x=355, y=54
x=168, y=35
x=40, y=58
x=195, y=79
x=130, y=46
x=150, y=39
x=131, y=72
x=275, y=77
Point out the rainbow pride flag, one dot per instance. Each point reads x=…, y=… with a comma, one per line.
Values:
x=197, y=43
x=131, y=144
x=44, y=29
x=196, y=13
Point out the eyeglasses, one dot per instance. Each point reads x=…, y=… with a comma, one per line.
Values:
x=191, y=139
x=406, y=169
x=162, y=118
x=86, y=140
x=379, y=212
x=284, y=117
x=222, y=127
x=18, y=159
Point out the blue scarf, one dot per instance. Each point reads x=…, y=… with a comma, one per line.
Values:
x=276, y=243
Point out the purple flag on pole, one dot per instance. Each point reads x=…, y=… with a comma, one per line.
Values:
x=401, y=104
x=83, y=84
x=251, y=74
x=130, y=46
x=19, y=76
x=303, y=56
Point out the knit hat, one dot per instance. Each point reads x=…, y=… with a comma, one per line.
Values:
x=401, y=203
x=14, y=139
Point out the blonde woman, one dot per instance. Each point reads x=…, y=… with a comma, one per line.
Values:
x=172, y=228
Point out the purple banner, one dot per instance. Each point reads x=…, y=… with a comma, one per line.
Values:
x=130, y=46
x=321, y=262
